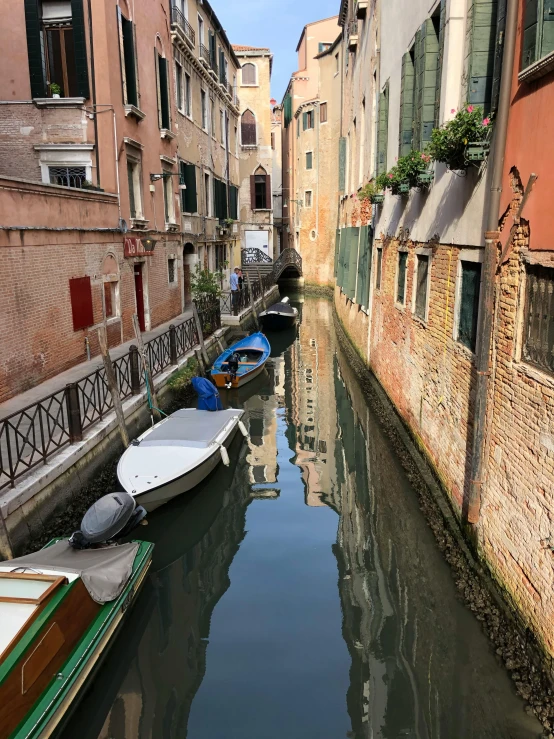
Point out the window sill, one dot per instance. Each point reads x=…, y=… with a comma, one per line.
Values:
x=541, y=376
x=262, y=210
x=165, y=133
x=134, y=112
x=172, y=226
x=538, y=69
x=420, y=321
x=249, y=147
x=138, y=223
x=59, y=102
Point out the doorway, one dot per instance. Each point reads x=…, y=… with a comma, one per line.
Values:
x=139, y=293
x=188, y=264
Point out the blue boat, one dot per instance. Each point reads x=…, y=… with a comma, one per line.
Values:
x=242, y=362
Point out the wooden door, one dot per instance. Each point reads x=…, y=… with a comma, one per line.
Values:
x=139, y=292
x=186, y=282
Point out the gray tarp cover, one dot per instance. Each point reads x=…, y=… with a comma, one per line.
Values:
x=104, y=572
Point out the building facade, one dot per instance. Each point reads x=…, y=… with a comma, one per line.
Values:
x=119, y=159
x=256, y=153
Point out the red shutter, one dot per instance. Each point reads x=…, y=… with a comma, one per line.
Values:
x=81, y=302
x=268, y=192
x=253, y=192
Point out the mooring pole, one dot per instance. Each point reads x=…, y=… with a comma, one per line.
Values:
x=200, y=333
x=261, y=288
x=146, y=369
x=112, y=384
x=253, y=301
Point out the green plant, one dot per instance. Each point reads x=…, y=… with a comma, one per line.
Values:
x=448, y=143
x=179, y=382
x=382, y=182
x=55, y=89
x=367, y=192
x=229, y=221
x=406, y=171
x=205, y=284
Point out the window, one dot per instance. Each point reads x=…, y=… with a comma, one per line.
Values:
x=189, y=201
x=323, y=113
x=538, y=340
x=469, y=287
x=67, y=176
x=407, y=102
x=188, y=96
x=309, y=160
x=204, y=108
x=163, y=93
x=379, y=270
x=249, y=74
x=171, y=271
x=260, y=190
x=169, y=210
x=128, y=65
x=426, y=88
x=220, y=257
x=308, y=199
x=383, y=130
x=179, y=85
x=248, y=129
x=222, y=126
x=307, y=119
x=337, y=64
x=134, y=182
x=422, y=275
x=401, y=279
x=200, y=30
x=538, y=31
x=323, y=47
x=207, y=191
x=110, y=299
x=220, y=199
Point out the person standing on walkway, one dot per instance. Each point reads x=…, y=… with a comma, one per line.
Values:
x=234, y=281
x=241, y=279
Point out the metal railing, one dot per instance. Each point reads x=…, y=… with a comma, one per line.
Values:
x=29, y=437
x=233, y=303
x=205, y=55
x=236, y=100
x=253, y=255
x=287, y=258
x=179, y=19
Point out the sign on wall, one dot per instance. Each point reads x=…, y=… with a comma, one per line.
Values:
x=134, y=247
x=257, y=240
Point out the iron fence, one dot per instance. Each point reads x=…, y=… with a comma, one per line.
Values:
x=179, y=19
x=233, y=303
x=31, y=436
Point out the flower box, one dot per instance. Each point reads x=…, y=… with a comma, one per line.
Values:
x=477, y=151
x=375, y=199
x=404, y=188
x=425, y=178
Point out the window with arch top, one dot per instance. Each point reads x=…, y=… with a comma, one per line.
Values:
x=248, y=129
x=249, y=74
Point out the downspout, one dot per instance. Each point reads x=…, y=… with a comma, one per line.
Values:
x=93, y=80
x=485, y=322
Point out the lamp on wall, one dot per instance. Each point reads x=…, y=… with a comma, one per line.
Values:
x=164, y=175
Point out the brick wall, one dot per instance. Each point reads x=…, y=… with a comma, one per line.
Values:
x=37, y=339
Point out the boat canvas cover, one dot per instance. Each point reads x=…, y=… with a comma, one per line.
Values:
x=104, y=572
x=281, y=308
x=208, y=395
x=189, y=427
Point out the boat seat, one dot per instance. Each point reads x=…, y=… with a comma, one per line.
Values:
x=253, y=363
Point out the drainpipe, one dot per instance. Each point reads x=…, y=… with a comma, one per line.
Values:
x=485, y=323
x=93, y=80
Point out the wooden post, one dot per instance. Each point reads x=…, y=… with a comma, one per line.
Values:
x=74, y=423
x=200, y=362
x=200, y=334
x=112, y=384
x=219, y=344
x=146, y=367
x=253, y=301
x=261, y=288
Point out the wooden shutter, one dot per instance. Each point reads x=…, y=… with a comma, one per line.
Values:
x=442, y=25
x=268, y=193
x=337, y=254
x=498, y=53
x=234, y=205
x=81, y=302
x=224, y=201
x=253, y=192
x=364, y=268
x=354, y=239
x=342, y=163
x=79, y=41
x=164, y=94
x=382, y=130
x=304, y=121
x=34, y=49
x=469, y=304
x=481, y=58
x=547, y=39
x=346, y=260
x=189, y=200
x=530, y=32
x=419, y=85
x=129, y=61
x=407, y=104
x=430, y=41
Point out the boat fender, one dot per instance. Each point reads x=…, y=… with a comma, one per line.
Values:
x=224, y=455
x=243, y=429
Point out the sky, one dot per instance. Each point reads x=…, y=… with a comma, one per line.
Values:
x=276, y=24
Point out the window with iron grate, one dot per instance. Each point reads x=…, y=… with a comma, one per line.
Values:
x=469, y=304
x=422, y=286
x=171, y=270
x=67, y=176
x=538, y=344
x=401, y=283
x=379, y=270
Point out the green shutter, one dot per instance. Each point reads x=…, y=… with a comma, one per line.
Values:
x=234, y=199
x=79, y=36
x=342, y=163
x=354, y=239
x=34, y=49
x=407, y=104
x=164, y=94
x=189, y=201
x=344, y=257
x=337, y=254
x=287, y=109
x=364, y=267
x=498, y=53
x=530, y=33
x=442, y=24
x=547, y=40
x=129, y=58
x=419, y=85
x=482, y=44
x=298, y=127
x=304, y=121
x=430, y=43
x=382, y=130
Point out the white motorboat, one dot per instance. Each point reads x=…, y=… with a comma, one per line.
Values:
x=176, y=454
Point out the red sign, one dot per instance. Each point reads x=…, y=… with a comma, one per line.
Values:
x=134, y=247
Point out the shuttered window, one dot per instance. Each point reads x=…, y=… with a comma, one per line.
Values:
x=407, y=103
x=481, y=44
x=323, y=113
x=213, y=55
x=353, y=241
x=233, y=202
x=469, y=304
x=220, y=199
x=287, y=110
x=248, y=74
x=342, y=163
x=401, y=277
x=538, y=31
x=309, y=160
x=260, y=192
x=337, y=254
x=189, y=199
x=80, y=293
x=37, y=72
x=421, y=287
x=442, y=25
x=79, y=36
x=364, y=266
x=382, y=130
x=248, y=129
x=538, y=346
x=379, y=269
x=128, y=66
x=426, y=70
x=163, y=93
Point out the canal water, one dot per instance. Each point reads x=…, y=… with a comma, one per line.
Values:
x=299, y=593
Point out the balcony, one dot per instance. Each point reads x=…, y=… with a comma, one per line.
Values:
x=352, y=35
x=223, y=81
x=205, y=56
x=181, y=30
x=361, y=8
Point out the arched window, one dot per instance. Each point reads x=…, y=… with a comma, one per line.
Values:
x=249, y=74
x=260, y=190
x=248, y=129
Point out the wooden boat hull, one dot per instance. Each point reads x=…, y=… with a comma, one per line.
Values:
x=66, y=671
x=222, y=379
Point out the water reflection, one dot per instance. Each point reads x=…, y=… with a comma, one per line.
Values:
x=242, y=633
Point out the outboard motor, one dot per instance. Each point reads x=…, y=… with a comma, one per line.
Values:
x=110, y=518
x=233, y=366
